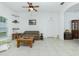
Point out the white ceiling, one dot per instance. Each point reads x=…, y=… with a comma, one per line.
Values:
x=74, y=8
x=44, y=6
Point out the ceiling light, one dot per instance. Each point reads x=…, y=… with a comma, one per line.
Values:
x=31, y=9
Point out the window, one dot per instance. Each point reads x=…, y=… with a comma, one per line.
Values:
x=3, y=27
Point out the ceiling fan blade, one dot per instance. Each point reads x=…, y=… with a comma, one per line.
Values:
x=25, y=6
x=35, y=9
x=35, y=6
x=29, y=3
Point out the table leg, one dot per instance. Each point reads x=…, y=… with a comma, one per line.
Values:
x=30, y=45
x=18, y=43
x=33, y=40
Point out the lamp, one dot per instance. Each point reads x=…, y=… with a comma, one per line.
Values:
x=15, y=21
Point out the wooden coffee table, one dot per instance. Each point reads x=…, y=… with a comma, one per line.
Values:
x=27, y=40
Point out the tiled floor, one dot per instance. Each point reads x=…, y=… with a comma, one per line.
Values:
x=46, y=47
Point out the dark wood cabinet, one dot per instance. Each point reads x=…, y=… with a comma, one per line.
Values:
x=67, y=36
x=75, y=29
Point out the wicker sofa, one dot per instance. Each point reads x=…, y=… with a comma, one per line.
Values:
x=35, y=34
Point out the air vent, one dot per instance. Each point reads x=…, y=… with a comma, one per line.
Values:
x=61, y=3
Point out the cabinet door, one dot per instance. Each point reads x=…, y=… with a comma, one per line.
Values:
x=75, y=29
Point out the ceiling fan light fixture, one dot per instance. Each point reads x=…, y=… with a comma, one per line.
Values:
x=31, y=9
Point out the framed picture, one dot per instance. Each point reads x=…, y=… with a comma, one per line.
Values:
x=32, y=22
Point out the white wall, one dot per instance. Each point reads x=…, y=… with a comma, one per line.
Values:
x=47, y=23
x=61, y=25
x=68, y=17
x=7, y=13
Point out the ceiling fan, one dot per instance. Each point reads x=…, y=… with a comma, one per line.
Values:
x=31, y=7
